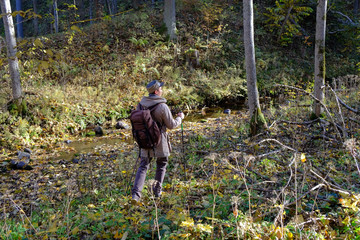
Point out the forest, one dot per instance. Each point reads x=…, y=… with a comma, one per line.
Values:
x=268, y=149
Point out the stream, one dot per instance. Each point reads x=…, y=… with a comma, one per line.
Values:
x=91, y=145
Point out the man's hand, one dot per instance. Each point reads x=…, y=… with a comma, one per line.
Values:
x=181, y=115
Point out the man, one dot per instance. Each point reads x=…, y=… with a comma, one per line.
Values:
x=162, y=115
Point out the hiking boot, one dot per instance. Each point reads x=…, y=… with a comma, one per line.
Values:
x=135, y=200
x=156, y=189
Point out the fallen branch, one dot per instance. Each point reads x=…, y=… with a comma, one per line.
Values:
x=330, y=186
x=316, y=99
x=348, y=107
x=300, y=123
x=274, y=140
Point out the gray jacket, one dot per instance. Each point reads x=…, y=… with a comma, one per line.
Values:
x=163, y=116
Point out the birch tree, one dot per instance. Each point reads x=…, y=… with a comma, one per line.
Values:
x=320, y=55
x=257, y=122
x=170, y=18
x=11, y=50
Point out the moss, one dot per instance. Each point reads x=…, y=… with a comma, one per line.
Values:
x=313, y=116
x=257, y=122
x=18, y=107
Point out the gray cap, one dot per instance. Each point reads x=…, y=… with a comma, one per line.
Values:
x=154, y=85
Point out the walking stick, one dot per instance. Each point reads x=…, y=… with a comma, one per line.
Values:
x=133, y=173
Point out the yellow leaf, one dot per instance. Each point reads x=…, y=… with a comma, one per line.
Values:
x=38, y=43
x=76, y=28
x=75, y=231
x=303, y=158
x=91, y=205
x=52, y=227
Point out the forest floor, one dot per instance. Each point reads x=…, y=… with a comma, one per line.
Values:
x=297, y=180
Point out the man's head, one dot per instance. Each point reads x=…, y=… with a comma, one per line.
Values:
x=154, y=87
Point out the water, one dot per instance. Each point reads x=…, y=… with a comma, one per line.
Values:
x=94, y=143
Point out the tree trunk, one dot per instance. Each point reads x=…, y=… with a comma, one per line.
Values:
x=19, y=20
x=114, y=6
x=11, y=49
x=136, y=4
x=257, y=122
x=56, y=16
x=35, y=20
x=356, y=7
x=91, y=11
x=320, y=55
x=169, y=18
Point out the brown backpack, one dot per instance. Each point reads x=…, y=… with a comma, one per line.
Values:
x=146, y=132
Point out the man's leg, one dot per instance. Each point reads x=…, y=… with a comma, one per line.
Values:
x=161, y=164
x=140, y=178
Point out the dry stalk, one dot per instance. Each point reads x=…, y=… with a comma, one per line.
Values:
x=214, y=199
x=156, y=220
x=22, y=212
x=340, y=113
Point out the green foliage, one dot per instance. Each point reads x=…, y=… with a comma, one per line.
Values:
x=284, y=19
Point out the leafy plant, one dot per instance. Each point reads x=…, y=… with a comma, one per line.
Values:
x=284, y=19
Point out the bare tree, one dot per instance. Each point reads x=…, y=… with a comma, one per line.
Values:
x=11, y=49
x=320, y=55
x=19, y=20
x=170, y=18
x=356, y=7
x=56, y=16
x=257, y=122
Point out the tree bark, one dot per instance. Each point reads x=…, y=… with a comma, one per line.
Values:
x=35, y=20
x=356, y=7
x=320, y=55
x=257, y=119
x=114, y=6
x=19, y=20
x=170, y=18
x=56, y=16
x=11, y=49
x=91, y=11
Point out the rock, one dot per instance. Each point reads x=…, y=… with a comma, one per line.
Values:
x=27, y=150
x=98, y=131
x=227, y=111
x=121, y=125
x=23, y=155
x=20, y=165
x=75, y=160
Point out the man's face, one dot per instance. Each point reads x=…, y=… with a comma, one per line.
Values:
x=159, y=92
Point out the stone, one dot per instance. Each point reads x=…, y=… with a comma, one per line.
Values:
x=27, y=150
x=227, y=111
x=75, y=160
x=25, y=156
x=98, y=131
x=121, y=125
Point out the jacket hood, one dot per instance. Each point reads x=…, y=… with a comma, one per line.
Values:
x=151, y=100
